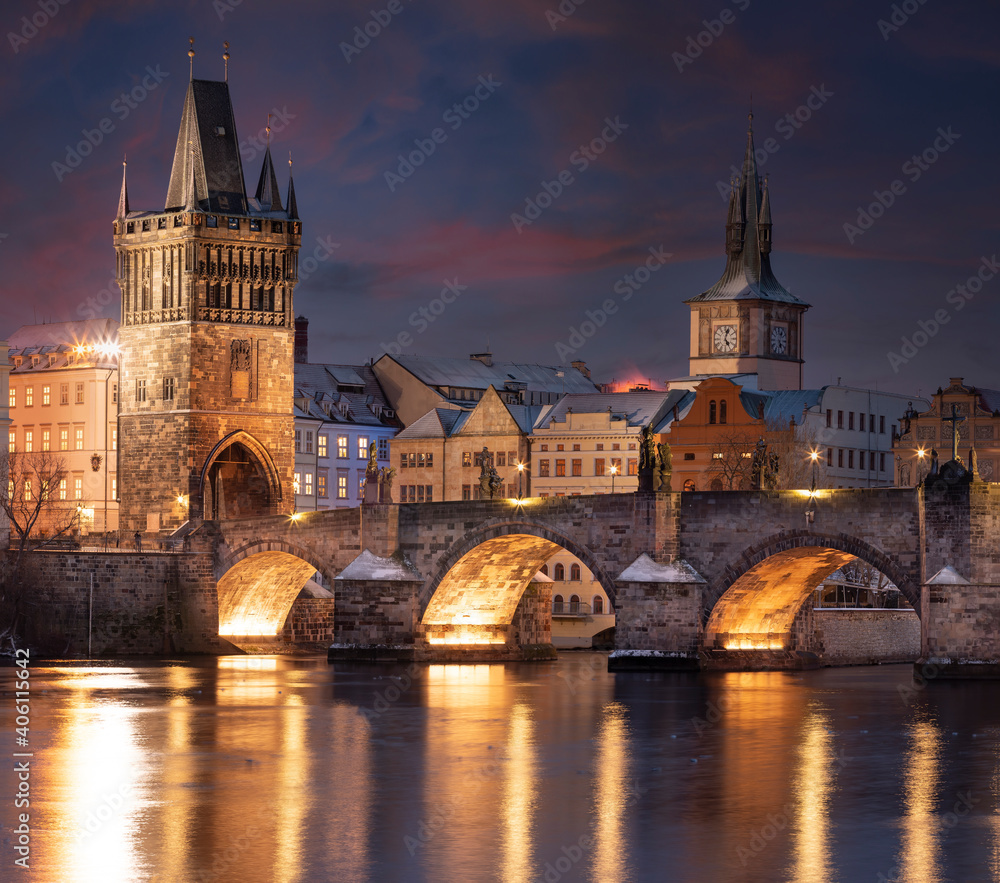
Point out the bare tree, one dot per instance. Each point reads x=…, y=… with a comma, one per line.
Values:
x=31, y=484
x=732, y=460
x=733, y=456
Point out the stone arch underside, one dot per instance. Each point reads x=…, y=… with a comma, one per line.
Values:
x=756, y=608
x=257, y=591
x=239, y=479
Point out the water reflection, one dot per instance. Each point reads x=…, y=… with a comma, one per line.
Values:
x=520, y=784
x=612, y=768
x=813, y=787
x=920, y=856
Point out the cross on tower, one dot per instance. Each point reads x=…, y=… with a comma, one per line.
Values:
x=954, y=420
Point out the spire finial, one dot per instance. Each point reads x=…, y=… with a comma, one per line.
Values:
x=191, y=55
x=268, y=130
x=289, y=162
x=225, y=58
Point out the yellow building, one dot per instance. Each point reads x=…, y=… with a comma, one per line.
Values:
x=63, y=398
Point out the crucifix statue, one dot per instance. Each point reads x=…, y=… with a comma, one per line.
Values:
x=954, y=420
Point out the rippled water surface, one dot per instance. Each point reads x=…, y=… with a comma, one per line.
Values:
x=278, y=769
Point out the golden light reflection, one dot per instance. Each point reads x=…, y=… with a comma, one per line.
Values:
x=814, y=785
x=920, y=854
x=291, y=807
x=613, y=766
x=249, y=663
x=257, y=626
x=465, y=637
x=754, y=644
x=175, y=823
x=520, y=797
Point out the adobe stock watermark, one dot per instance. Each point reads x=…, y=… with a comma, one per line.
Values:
x=363, y=36
x=108, y=807
x=914, y=168
x=785, y=126
x=581, y=159
x=901, y=14
x=697, y=44
x=454, y=116
x=927, y=329
x=422, y=318
x=121, y=107
x=225, y=7
x=92, y=306
x=384, y=700
x=628, y=285
x=30, y=28
x=320, y=254
x=278, y=121
x=566, y=9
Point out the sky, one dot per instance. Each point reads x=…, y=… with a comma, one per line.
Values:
x=587, y=139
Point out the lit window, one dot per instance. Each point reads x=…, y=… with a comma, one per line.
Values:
x=321, y=484
x=79, y=438
x=63, y=439
x=467, y=458
x=46, y=396
x=341, y=485
x=62, y=488
x=322, y=447
x=29, y=396
x=114, y=487
x=297, y=482
x=114, y=439
x=11, y=440
x=717, y=455
x=29, y=438
x=77, y=488
x=27, y=490
x=12, y=397
x=362, y=447
x=577, y=466
x=543, y=468
x=309, y=483
x=46, y=440
x=342, y=447
x=561, y=468
x=633, y=466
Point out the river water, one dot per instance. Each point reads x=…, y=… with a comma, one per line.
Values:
x=282, y=769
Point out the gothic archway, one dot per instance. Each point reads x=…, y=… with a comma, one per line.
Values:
x=239, y=480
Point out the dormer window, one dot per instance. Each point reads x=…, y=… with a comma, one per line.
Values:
x=276, y=226
x=255, y=225
x=234, y=223
x=211, y=221
x=145, y=226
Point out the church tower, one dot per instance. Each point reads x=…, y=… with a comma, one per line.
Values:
x=206, y=367
x=748, y=322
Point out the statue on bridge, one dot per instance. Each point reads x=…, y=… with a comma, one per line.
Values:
x=371, y=492
x=666, y=468
x=764, y=468
x=385, y=476
x=490, y=482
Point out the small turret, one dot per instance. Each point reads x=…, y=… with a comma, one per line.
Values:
x=123, y=197
x=293, y=208
x=268, y=194
x=764, y=224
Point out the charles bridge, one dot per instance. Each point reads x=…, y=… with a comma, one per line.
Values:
x=709, y=578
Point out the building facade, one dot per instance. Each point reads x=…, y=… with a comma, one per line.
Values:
x=63, y=401
x=207, y=281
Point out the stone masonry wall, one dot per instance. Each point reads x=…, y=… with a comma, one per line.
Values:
x=532, y=622
x=861, y=637
x=375, y=612
x=658, y=616
x=146, y=603
x=309, y=621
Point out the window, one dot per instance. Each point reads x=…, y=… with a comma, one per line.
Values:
x=574, y=603
x=309, y=483
x=850, y=420
x=64, y=393
x=599, y=466
x=309, y=441
x=79, y=438
x=561, y=468
x=633, y=466
x=321, y=443
x=11, y=440
x=840, y=419
x=402, y=461
x=829, y=456
x=577, y=448
x=840, y=458
x=341, y=484
x=79, y=393
x=501, y=458
x=577, y=467
x=62, y=488
x=871, y=461
x=722, y=411
x=717, y=455
x=598, y=604
x=114, y=439
x=63, y=439
x=632, y=446
x=545, y=570
x=29, y=396
x=559, y=447
x=298, y=441
x=850, y=459
x=114, y=487
x=140, y=390
x=46, y=396
x=689, y=485
x=711, y=411
x=362, y=447
x=688, y=455
x=114, y=393
x=543, y=468
x=77, y=488
x=12, y=398
x=599, y=447
x=893, y=430
x=512, y=457
x=616, y=447
x=861, y=421
x=467, y=458
x=383, y=450
x=574, y=573
x=321, y=483
x=881, y=462
x=466, y=491
x=861, y=459
x=46, y=439
x=27, y=490
x=560, y=573
x=342, y=447
x=29, y=438
x=829, y=418
x=297, y=482
x=168, y=389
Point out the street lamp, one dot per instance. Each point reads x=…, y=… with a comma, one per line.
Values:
x=614, y=472
x=520, y=480
x=814, y=456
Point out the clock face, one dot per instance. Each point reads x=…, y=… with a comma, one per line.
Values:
x=725, y=338
x=779, y=340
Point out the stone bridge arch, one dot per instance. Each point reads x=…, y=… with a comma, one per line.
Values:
x=754, y=602
x=258, y=582
x=480, y=580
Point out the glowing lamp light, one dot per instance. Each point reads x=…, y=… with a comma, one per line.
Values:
x=921, y=453
x=296, y=516
x=814, y=456
x=181, y=499
x=520, y=467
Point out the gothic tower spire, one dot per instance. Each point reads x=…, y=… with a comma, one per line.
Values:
x=123, y=196
x=293, y=208
x=268, y=194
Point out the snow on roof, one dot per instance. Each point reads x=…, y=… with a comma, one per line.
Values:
x=638, y=408
x=645, y=570
x=441, y=371
x=541, y=578
x=947, y=576
x=369, y=566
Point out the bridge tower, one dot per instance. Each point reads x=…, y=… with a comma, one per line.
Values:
x=206, y=368
x=748, y=322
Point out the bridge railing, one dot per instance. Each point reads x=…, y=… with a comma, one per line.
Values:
x=570, y=608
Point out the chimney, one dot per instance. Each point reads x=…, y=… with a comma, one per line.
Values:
x=301, y=340
x=582, y=368
x=485, y=358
